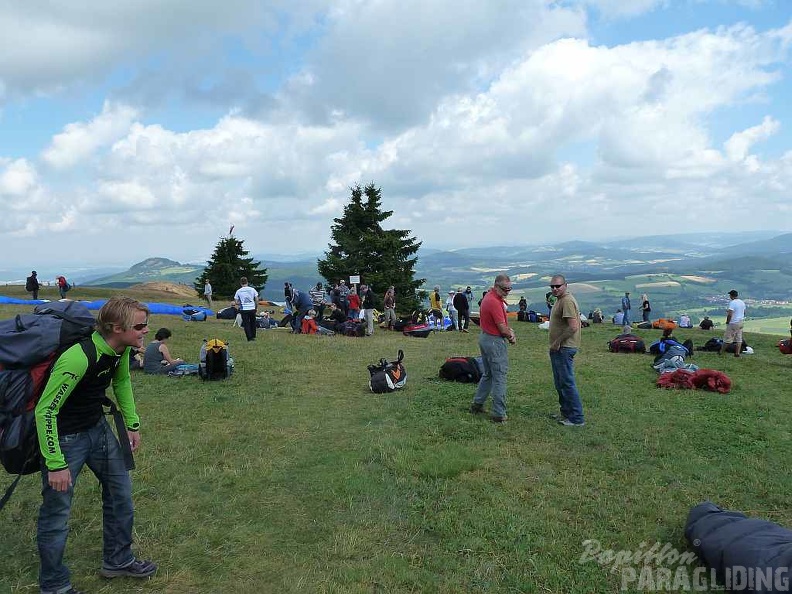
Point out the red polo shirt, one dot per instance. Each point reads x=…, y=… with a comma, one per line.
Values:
x=492, y=313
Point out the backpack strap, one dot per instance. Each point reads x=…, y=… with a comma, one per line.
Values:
x=89, y=348
x=9, y=492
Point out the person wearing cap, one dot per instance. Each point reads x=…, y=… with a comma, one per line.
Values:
x=735, y=315
x=452, y=311
x=626, y=308
x=706, y=323
x=32, y=285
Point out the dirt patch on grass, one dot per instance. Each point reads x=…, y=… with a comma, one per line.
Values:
x=167, y=288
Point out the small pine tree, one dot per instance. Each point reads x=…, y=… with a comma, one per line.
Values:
x=228, y=264
x=382, y=257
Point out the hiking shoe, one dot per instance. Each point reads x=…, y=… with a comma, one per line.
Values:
x=568, y=423
x=139, y=568
x=499, y=420
x=476, y=408
x=557, y=417
x=465, y=330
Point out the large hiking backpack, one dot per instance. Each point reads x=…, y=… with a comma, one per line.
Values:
x=227, y=313
x=214, y=362
x=353, y=328
x=417, y=330
x=627, y=343
x=462, y=369
x=387, y=376
x=785, y=346
x=713, y=345
x=29, y=346
x=659, y=347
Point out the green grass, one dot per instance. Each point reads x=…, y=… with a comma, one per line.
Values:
x=292, y=477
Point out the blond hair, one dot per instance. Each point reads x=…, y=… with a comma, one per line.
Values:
x=118, y=311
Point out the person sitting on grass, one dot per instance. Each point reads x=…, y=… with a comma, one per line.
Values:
x=706, y=323
x=309, y=323
x=157, y=358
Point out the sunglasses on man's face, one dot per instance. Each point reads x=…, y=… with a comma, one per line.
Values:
x=140, y=327
x=556, y=286
x=504, y=289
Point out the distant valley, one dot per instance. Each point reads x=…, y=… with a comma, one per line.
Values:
x=680, y=273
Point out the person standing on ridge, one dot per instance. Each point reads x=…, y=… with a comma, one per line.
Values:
x=735, y=315
x=625, y=305
x=208, y=293
x=32, y=284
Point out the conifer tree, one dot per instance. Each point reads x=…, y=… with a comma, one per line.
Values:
x=228, y=264
x=382, y=257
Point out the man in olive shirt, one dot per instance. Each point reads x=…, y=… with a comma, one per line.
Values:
x=564, y=344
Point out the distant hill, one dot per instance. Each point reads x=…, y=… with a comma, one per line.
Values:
x=151, y=270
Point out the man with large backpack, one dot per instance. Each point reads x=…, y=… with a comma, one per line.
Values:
x=32, y=284
x=72, y=432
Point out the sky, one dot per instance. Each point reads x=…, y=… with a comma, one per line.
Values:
x=134, y=129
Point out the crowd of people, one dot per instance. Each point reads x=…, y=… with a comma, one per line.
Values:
x=71, y=402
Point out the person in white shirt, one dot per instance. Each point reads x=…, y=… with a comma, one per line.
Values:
x=735, y=315
x=452, y=311
x=246, y=299
x=208, y=293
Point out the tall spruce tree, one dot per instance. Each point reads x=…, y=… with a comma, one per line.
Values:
x=228, y=264
x=382, y=257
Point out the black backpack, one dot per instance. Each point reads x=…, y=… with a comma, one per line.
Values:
x=713, y=345
x=214, y=361
x=353, y=328
x=627, y=343
x=387, y=376
x=461, y=369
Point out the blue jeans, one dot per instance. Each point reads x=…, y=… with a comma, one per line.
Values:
x=495, y=358
x=626, y=319
x=100, y=450
x=562, y=362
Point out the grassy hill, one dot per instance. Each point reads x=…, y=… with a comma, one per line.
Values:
x=293, y=477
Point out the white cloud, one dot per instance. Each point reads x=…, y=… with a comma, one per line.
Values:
x=463, y=130
x=740, y=143
x=17, y=178
x=45, y=47
x=79, y=141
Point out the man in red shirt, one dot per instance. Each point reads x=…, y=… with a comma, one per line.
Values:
x=495, y=333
